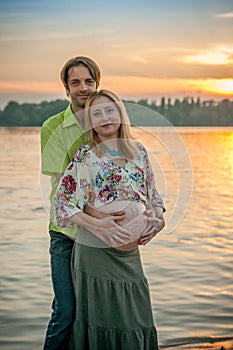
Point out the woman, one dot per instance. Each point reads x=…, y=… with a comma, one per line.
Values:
x=113, y=308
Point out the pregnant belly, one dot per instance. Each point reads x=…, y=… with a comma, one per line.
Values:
x=134, y=220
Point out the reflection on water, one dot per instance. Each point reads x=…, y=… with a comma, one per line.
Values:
x=189, y=269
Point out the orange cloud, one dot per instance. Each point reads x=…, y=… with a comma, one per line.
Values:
x=218, y=86
x=220, y=55
x=131, y=86
x=136, y=86
x=31, y=86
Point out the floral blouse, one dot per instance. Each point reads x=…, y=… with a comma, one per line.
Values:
x=99, y=181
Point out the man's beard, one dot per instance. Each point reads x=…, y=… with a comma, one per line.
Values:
x=78, y=103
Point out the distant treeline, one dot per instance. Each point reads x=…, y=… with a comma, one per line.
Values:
x=185, y=112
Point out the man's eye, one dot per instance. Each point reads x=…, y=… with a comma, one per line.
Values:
x=74, y=83
x=90, y=82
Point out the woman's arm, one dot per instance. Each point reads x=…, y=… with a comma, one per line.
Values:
x=99, y=214
x=72, y=198
x=105, y=228
x=156, y=207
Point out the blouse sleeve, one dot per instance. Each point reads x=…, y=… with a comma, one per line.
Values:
x=72, y=192
x=153, y=196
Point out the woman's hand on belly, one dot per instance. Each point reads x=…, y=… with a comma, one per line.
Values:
x=106, y=228
x=155, y=225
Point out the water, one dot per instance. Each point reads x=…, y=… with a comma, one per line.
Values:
x=189, y=265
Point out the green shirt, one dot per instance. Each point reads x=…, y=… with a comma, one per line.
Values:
x=61, y=137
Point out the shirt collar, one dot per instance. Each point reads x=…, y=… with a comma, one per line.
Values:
x=69, y=117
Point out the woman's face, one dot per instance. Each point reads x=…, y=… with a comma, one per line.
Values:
x=105, y=118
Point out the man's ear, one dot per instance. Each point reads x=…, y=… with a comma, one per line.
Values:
x=68, y=93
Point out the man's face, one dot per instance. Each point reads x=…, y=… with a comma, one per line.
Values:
x=80, y=85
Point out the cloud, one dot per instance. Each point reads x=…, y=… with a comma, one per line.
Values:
x=221, y=55
x=58, y=35
x=15, y=14
x=6, y=38
x=147, y=86
x=30, y=87
x=139, y=59
x=217, y=86
x=223, y=15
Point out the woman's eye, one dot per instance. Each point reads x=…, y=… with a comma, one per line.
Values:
x=109, y=110
x=96, y=114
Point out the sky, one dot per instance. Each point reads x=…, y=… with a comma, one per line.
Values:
x=145, y=49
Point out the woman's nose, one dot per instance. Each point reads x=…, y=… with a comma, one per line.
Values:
x=104, y=115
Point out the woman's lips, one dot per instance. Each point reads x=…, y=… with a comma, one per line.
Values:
x=106, y=125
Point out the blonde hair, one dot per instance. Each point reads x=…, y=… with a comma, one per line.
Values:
x=125, y=134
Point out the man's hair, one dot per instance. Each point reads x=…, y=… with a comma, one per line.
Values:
x=77, y=61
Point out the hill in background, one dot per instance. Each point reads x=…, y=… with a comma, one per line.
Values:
x=187, y=112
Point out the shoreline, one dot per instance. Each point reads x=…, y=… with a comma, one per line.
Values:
x=202, y=343
x=162, y=127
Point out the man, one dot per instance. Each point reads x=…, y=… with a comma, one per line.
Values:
x=61, y=136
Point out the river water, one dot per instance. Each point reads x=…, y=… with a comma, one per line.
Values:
x=188, y=265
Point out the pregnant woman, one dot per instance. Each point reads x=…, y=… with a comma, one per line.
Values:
x=112, y=173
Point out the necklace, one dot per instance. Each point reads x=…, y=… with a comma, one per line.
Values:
x=113, y=152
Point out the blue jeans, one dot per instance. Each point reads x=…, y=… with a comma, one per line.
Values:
x=63, y=306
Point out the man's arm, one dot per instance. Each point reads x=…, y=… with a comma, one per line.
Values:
x=58, y=177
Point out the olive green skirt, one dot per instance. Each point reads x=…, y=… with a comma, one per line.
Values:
x=113, y=308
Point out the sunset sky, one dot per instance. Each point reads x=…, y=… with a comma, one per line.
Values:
x=146, y=49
